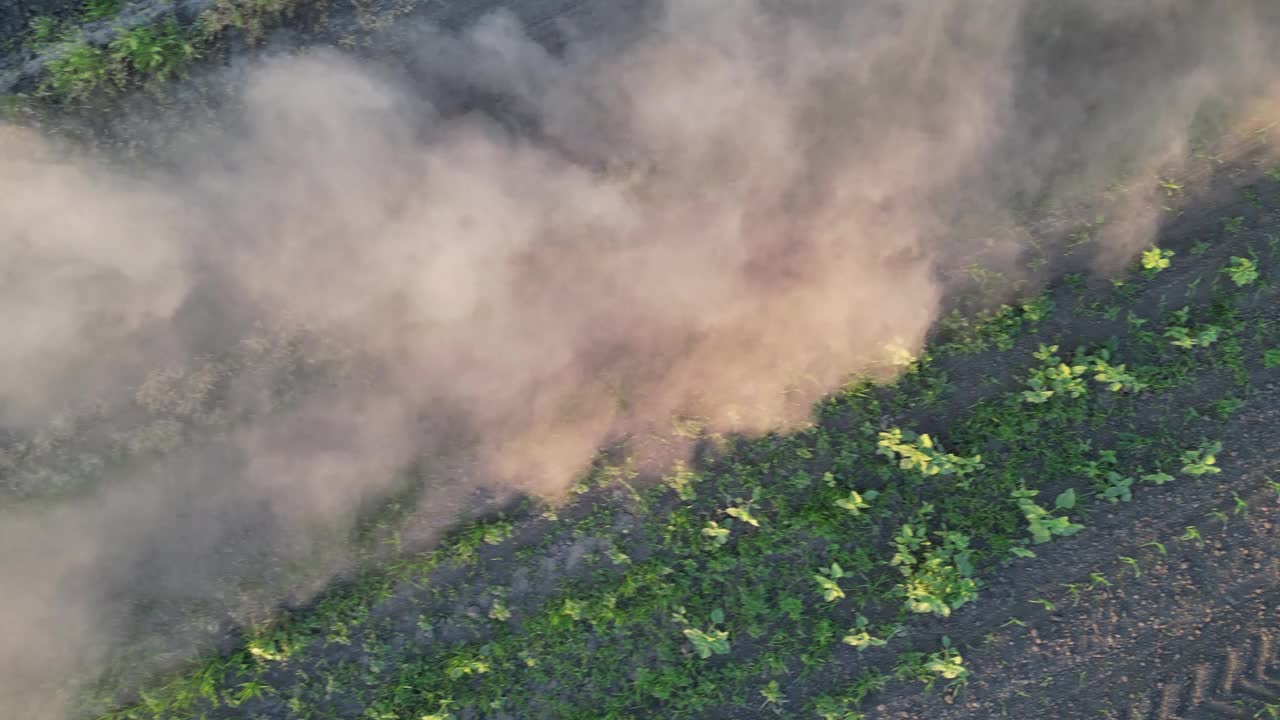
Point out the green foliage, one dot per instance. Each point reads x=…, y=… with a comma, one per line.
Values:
x=1271, y=358
x=1233, y=225
x=857, y=502
x=76, y=71
x=153, y=51
x=94, y=10
x=937, y=578
x=1242, y=271
x=708, y=642
x=1186, y=339
x=946, y=664
x=1054, y=377
x=1202, y=461
x=682, y=480
x=714, y=532
x=44, y=30
x=1042, y=523
x=921, y=453
x=1155, y=259
x=860, y=636
x=827, y=585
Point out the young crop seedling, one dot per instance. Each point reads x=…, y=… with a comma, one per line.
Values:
x=826, y=579
x=946, y=663
x=1202, y=461
x=773, y=697
x=1116, y=377
x=714, y=532
x=1233, y=226
x=1155, y=259
x=857, y=502
x=921, y=453
x=1113, y=487
x=1055, y=377
x=707, y=642
x=1271, y=358
x=1242, y=271
x=860, y=636
x=1042, y=523
x=1182, y=337
x=1192, y=533
x=936, y=579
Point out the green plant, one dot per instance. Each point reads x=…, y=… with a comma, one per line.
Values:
x=94, y=10
x=946, y=663
x=1233, y=226
x=153, y=51
x=860, y=637
x=707, y=643
x=921, y=453
x=1271, y=358
x=936, y=578
x=1171, y=187
x=827, y=707
x=715, y=533
x=773, y=696
x=857, y=502
x=826, y=579
x=1113, y=487
x=77, y=71
x=1042, y=523
x=1242, y=271
x=1202, y=461
x=1054, y=377
x=44, y=30
x=1116, y=377
x=1183, y=337
x=1155, y=259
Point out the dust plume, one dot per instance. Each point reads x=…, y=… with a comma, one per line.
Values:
x=213, y=365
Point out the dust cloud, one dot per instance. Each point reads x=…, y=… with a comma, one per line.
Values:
x=210, y=366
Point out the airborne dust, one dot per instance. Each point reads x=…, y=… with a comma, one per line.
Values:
x=213, y=364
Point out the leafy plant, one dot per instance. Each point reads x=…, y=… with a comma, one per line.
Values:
x=921, y=453
x=936, y=578
x=1042, y=523
x=1183, y=337
x=1271, y=358
x=946, y=663
x=1113, y=487
x=1156, y=259
x=1234, y=225
x=153, y=51
x=857, y=502
x=1242, y=271
x=717, y=534
x=77, y=71
x=1116, y=377
x=826, y=579
x=1202, y=461
x=860, y=636
x=707, y=643
x=1054, y=377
